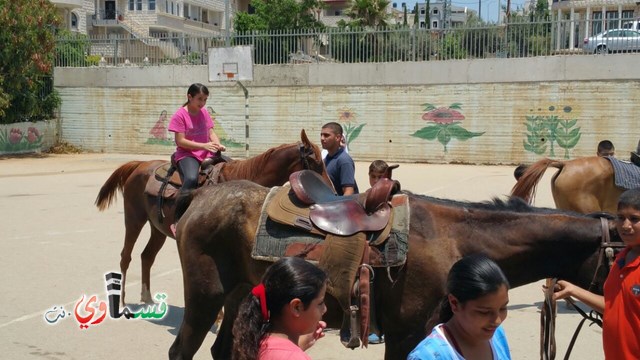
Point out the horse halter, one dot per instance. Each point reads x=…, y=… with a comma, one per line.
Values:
x=304, y=152
x=606, y=250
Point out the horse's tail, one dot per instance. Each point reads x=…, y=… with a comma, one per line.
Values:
x=115, y=182
x=526, y=186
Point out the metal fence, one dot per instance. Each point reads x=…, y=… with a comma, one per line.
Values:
x=514, y=40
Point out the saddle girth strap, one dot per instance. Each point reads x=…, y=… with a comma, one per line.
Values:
x=364, y=283
x=165, y=182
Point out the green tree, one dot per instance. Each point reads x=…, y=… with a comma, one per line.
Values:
x=367, y=13
x=416, y=17
x=26, y=60
x=280, y=15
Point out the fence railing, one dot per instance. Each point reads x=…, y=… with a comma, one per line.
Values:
x=514, y=40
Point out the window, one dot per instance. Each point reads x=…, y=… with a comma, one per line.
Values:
x=421, y=11
x=130, y=5
x=152, y=5
x=435, y=12
x=422, y=24
x=434, y=25
x=74, y=21
x=138, y=5
x=596, y=25
x=612, y=19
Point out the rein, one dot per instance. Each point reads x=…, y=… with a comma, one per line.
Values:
x=548, y=311
x=304, y=152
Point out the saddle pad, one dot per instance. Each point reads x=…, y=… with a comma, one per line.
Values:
x=285, y=208
x=153, y=188
x=272, y=238
x=626, y=174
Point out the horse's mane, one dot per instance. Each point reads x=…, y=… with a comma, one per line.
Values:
x=249, y=168
x=512, y=204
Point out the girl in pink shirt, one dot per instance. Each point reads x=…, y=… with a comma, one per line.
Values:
x=195, y=138
x=282, y=316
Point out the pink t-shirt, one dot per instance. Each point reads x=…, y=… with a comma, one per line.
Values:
x=195, y=128
x=277, y=348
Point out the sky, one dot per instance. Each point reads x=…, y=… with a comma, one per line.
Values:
x=489, y=7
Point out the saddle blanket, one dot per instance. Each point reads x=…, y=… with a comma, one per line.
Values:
x=626, y=174
x=274, y=240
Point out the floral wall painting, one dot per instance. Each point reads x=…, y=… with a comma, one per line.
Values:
x=444, y=125
x=16, y=140
x=160, y=135
x=545, y=132
x=350, y=126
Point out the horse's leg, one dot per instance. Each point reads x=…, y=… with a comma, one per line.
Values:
x=203, y=297
x=148, y=257
x=133, y=226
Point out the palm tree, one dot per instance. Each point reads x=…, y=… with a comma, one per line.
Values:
x=368, y=13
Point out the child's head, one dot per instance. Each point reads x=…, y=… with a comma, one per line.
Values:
x=292, y=293
x=477, y=295
x=519, y=171
x=379, y=169
x=606, y=148
x=197, y=95
x=628, y=218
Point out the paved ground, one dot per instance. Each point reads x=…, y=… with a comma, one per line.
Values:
x=56, y=247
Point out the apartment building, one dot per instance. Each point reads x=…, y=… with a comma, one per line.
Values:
x=442, y=15
x=159, y=24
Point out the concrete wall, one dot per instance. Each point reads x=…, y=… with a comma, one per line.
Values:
x=482, y=111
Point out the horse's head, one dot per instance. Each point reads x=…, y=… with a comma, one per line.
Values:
x=311, y=157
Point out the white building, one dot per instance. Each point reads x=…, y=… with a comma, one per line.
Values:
x=441, y=18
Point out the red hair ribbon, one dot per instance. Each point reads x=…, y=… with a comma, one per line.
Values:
x=260, y=292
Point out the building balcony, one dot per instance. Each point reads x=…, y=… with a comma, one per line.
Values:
x=67, y=4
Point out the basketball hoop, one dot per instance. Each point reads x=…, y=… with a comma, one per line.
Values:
x=230, y=75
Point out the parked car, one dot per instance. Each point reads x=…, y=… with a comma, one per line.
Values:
x=633, y=25
x=615, y=40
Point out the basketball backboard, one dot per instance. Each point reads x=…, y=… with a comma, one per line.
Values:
x=231, y=63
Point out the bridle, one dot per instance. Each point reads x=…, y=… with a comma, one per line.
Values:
x=548, y=312
x=304, y=153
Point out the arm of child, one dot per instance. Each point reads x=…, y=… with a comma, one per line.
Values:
x=565, y=289
x=214, y=139
x=183, y=142
x=308, y=340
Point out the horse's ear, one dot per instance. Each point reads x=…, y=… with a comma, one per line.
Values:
x=304, y=138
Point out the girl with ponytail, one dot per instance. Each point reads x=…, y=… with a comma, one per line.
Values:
x=281, y=317
x=469, y=317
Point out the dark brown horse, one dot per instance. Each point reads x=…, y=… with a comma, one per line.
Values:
x=271, y=168
x=585, y=185
x=528, y=243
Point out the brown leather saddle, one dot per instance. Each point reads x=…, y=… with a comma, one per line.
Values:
x=167, y=171
x=344, y=215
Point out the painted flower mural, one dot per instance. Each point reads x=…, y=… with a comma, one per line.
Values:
x=14, y=139
x=444, y=125
x=545, y=132
x=352, y=129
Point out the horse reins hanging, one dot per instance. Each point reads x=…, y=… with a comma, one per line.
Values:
x=548, y=311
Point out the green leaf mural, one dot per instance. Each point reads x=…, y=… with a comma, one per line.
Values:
x=544, y=132
x=446, y=125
